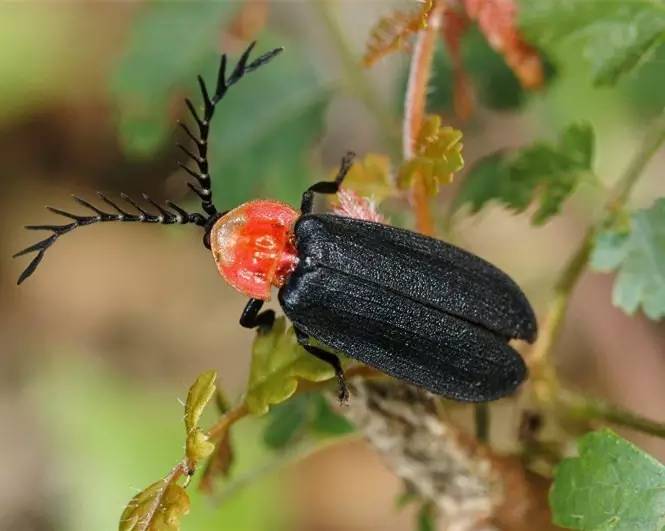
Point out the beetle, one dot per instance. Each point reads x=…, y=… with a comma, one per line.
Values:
x=412, y=306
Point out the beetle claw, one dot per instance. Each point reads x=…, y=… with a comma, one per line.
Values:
x=343, y=394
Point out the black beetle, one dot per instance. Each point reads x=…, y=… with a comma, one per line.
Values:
x=411, y=306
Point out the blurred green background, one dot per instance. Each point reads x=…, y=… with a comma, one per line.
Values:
x=99, y=346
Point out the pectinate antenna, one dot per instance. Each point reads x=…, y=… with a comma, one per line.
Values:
x=165, y=215
x=170, y=213
x=203, y=188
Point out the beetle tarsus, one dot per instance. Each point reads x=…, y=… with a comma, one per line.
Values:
x=327, y=187
x=343, y=391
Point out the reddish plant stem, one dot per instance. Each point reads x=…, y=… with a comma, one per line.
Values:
x=414, y=112
x=218, y=430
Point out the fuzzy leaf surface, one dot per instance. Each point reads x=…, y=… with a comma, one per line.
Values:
x=616, y=36
x=637, y=253
x=612, y=485
x=544, y=174
x=278, y=363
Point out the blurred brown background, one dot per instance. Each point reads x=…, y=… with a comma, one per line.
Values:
x=97, y=347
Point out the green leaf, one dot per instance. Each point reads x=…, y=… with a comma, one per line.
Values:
x=287, y=421
x=638, y=253
x=616, y=36
x=169, y=43
x=198, y=397
x=326, y=421
x=309, y=412
x=612, y=485
x=197, y=446
x=546, y=174
x=157, y=508
x=494, y=83
x=426, y=520
x=278, y=363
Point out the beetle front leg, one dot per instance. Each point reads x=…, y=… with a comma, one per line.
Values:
x=251, y=318
x=330, y=359
x=326, y=187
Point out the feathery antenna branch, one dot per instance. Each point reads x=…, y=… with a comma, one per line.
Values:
x=171, y=213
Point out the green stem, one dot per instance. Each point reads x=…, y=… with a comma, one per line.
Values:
x=544, y=377
x=582, y=407
x=652, y=143
x=356, y=79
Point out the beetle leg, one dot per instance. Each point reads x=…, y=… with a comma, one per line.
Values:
x=326, y=187
x=329, y=358
x=251, y=318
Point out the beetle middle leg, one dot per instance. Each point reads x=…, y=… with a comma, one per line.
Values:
x=326, y=187
x=251, y=318
x=330, y=359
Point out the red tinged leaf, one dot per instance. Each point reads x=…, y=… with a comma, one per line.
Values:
x=497, y=20
x=393, y=32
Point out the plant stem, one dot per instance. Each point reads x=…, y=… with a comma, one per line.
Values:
x=356, y=78
x=578, y=406
x=544, y=375
x=233, y=415
x=481, y=417
x=652, y=143
x=226, y=421
x=415, y=103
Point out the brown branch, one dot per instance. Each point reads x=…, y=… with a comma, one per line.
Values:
x=472, y=487
x=219, y=429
